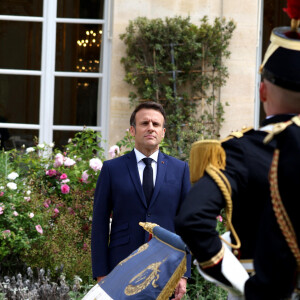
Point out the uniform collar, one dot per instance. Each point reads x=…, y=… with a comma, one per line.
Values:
x=277, y=119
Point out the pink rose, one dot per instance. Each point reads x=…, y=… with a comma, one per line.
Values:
x=65, y=189
x=113, y=151
x=71, y=211
x=69, y=162
x=51, y=172
x=27, y=199
x=1, y=194
x=219, y=218
x=63, y=176
x=39, y=229
x=6, y=233
x=59, y=160
x=96, y=164
x=84, y=177
x=47, y=202
x=1, y=210
x=56, y=210
x=15, y=214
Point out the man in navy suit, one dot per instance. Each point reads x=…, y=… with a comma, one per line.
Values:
x=120, y=191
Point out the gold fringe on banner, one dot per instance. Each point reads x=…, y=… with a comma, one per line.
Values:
x=169, y=288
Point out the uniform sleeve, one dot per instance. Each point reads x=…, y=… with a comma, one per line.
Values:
x=196, y=220
x=100, y=223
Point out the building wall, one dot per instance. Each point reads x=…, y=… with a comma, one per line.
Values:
x=239, y=91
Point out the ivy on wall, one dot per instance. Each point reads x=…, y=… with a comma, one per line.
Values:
x=181, y=66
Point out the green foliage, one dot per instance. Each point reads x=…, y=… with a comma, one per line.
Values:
x=126, y=144
x=17, y=220
x=46, y=198
x=67, y=241
x=197, y=287
x=179, y=65
x=85, y=145
x=200, y=289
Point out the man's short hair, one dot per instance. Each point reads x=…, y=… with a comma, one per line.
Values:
x=148, y=105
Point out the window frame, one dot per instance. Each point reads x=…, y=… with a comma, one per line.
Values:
x=48, y=74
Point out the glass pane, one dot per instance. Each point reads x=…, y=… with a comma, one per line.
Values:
x=61, y=138
x=20, y=45
x=19, y=137
x=78, y=47
x=32, y=8
x=83, y=9
x=20, y=99
x=75, y=101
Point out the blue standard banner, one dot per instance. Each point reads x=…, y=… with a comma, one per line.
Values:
x=150, y=272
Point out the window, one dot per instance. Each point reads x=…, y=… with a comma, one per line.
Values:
x=54, y=66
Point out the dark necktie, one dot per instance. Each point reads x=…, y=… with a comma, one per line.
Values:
x=148, y=179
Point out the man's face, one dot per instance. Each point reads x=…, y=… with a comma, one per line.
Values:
x=149, y=130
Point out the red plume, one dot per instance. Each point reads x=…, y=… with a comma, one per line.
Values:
x=293, y=9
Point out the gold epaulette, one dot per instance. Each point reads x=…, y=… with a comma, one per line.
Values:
x=202, y=154
x=209, y=156
x=279, y=127
x=237, y=134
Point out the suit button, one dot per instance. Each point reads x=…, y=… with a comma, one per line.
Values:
x=148, y=215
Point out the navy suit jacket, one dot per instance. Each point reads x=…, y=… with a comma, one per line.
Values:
x=119, y=191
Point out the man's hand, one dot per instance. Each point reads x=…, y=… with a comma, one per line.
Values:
x=100, y=278
x=180, y=289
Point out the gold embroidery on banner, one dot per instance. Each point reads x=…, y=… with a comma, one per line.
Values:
x=140, y=281
x=139, y=250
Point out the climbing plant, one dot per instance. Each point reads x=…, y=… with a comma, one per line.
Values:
x=181, y=66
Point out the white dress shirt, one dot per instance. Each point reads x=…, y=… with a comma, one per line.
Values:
x=141, y=165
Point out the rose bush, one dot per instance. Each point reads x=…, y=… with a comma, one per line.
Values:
x=46, y=198
x=18, y=220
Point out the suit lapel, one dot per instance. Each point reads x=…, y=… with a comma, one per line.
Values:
x=162, y=163
x=134, y=174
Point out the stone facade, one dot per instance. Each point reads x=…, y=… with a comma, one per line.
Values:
x=240, y=89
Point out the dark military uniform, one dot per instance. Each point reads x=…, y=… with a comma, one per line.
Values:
x=247, y=165
x=276, y=255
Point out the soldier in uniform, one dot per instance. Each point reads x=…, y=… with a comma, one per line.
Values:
x=241, y=184
x=277, y=256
